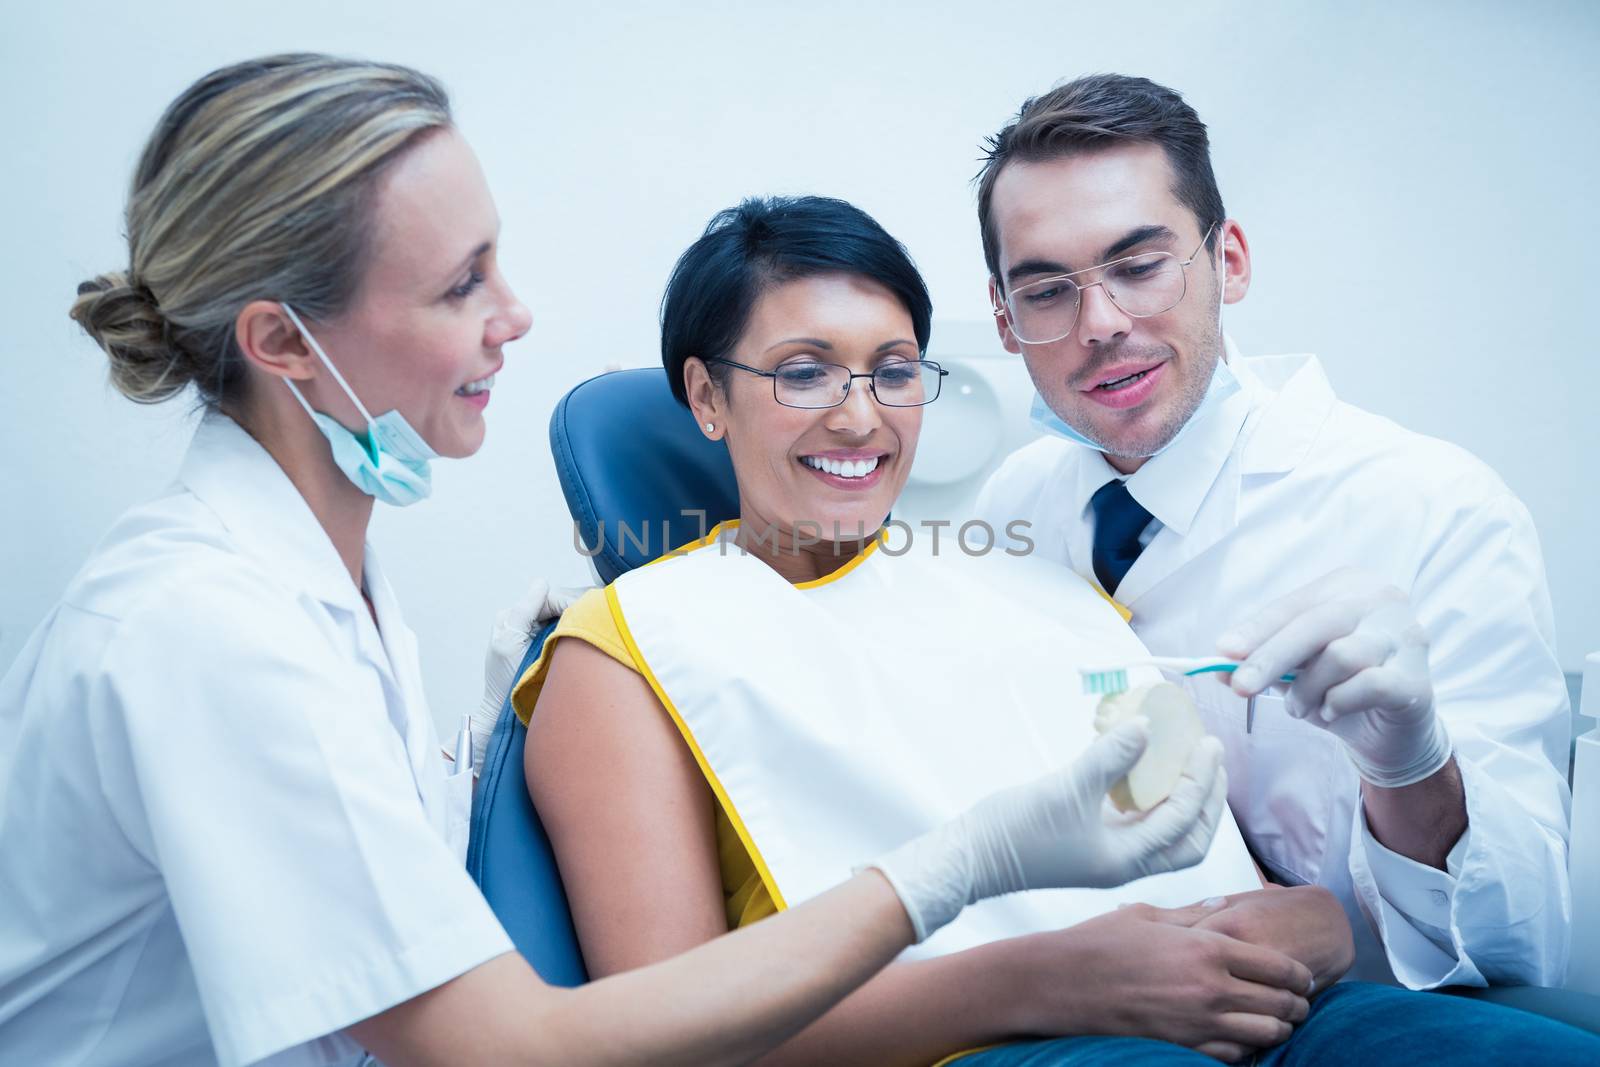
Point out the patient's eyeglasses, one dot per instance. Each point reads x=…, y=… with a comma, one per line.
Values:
x=1142, y=286
x=906, y=383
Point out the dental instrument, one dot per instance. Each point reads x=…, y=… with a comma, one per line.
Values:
x=1106, y=681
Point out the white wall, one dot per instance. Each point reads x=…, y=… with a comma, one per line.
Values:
x=1416, y=181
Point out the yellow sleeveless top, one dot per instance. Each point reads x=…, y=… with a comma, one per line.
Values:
x=745, y=899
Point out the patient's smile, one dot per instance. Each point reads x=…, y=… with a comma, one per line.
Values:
x=842, y=468
x=850, y=469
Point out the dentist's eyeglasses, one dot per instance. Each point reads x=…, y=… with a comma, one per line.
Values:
x=908, y=383
x=1142, y=286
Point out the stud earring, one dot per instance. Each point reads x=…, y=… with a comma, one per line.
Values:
x=710, y=428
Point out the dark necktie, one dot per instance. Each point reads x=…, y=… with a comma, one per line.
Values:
x=1118, y=521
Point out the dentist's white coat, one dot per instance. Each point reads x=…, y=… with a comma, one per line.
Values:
x=226, y=831
x=1270, y=490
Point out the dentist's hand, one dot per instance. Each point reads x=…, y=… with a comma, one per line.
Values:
x=1362, y=660
x=1059, y=831
x=508, y=641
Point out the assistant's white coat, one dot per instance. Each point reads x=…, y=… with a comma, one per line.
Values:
x=226, y=824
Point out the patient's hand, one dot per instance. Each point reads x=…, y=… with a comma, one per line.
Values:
x=1156, y=972
x=1306, y=922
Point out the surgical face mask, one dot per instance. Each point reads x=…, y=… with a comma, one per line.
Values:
x=390, y=463
x=1224, y=383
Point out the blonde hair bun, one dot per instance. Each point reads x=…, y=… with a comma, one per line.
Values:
x=124, y=320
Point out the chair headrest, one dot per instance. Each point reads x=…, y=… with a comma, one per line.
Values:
x=636, y=470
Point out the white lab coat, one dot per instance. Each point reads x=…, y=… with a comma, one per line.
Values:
x=226, y=829
x=1270, y=490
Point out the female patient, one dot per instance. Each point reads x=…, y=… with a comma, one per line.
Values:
x=736, y=727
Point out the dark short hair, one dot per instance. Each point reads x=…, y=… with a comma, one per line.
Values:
x=766, y=241
x=1099, y=111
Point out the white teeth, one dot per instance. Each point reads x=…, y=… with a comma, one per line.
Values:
x=479, y=386
x=1121, y=383
x=842, y=468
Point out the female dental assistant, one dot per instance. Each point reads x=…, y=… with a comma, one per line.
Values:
x=226, y=835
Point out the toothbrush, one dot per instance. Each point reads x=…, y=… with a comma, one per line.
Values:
x=1115, y=679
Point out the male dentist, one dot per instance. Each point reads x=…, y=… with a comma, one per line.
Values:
x=1235, y=504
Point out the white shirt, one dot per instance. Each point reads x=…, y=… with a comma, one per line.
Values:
x=1270, y=490
x=226, y=832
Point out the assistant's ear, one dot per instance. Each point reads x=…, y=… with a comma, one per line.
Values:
x=270, y=342
x=1235, y=262
x=1008, y=340
x=706, y=400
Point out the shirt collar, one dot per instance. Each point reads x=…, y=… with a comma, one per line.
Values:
x=1292, y=400
x=1172, y=485
x=263, y=512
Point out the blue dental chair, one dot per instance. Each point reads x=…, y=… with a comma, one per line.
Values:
x=640, y=479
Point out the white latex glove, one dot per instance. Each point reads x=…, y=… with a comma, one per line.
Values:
x=1362, y=660
x=1059, y=831
x=508, y=642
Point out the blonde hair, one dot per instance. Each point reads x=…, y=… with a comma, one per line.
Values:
x=257, y=184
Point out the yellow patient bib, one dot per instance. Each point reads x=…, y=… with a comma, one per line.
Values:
x=836, y=719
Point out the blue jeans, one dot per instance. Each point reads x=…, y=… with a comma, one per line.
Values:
x=1352, y=1023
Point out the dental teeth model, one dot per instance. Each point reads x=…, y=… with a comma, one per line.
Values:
x=1175, y=728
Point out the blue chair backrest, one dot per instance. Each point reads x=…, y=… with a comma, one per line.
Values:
x=627, y=453
x=639, y=476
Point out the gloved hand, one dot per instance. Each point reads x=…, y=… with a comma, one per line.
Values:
x=1362, y=660
x=508, y=641
x=1059, y=831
